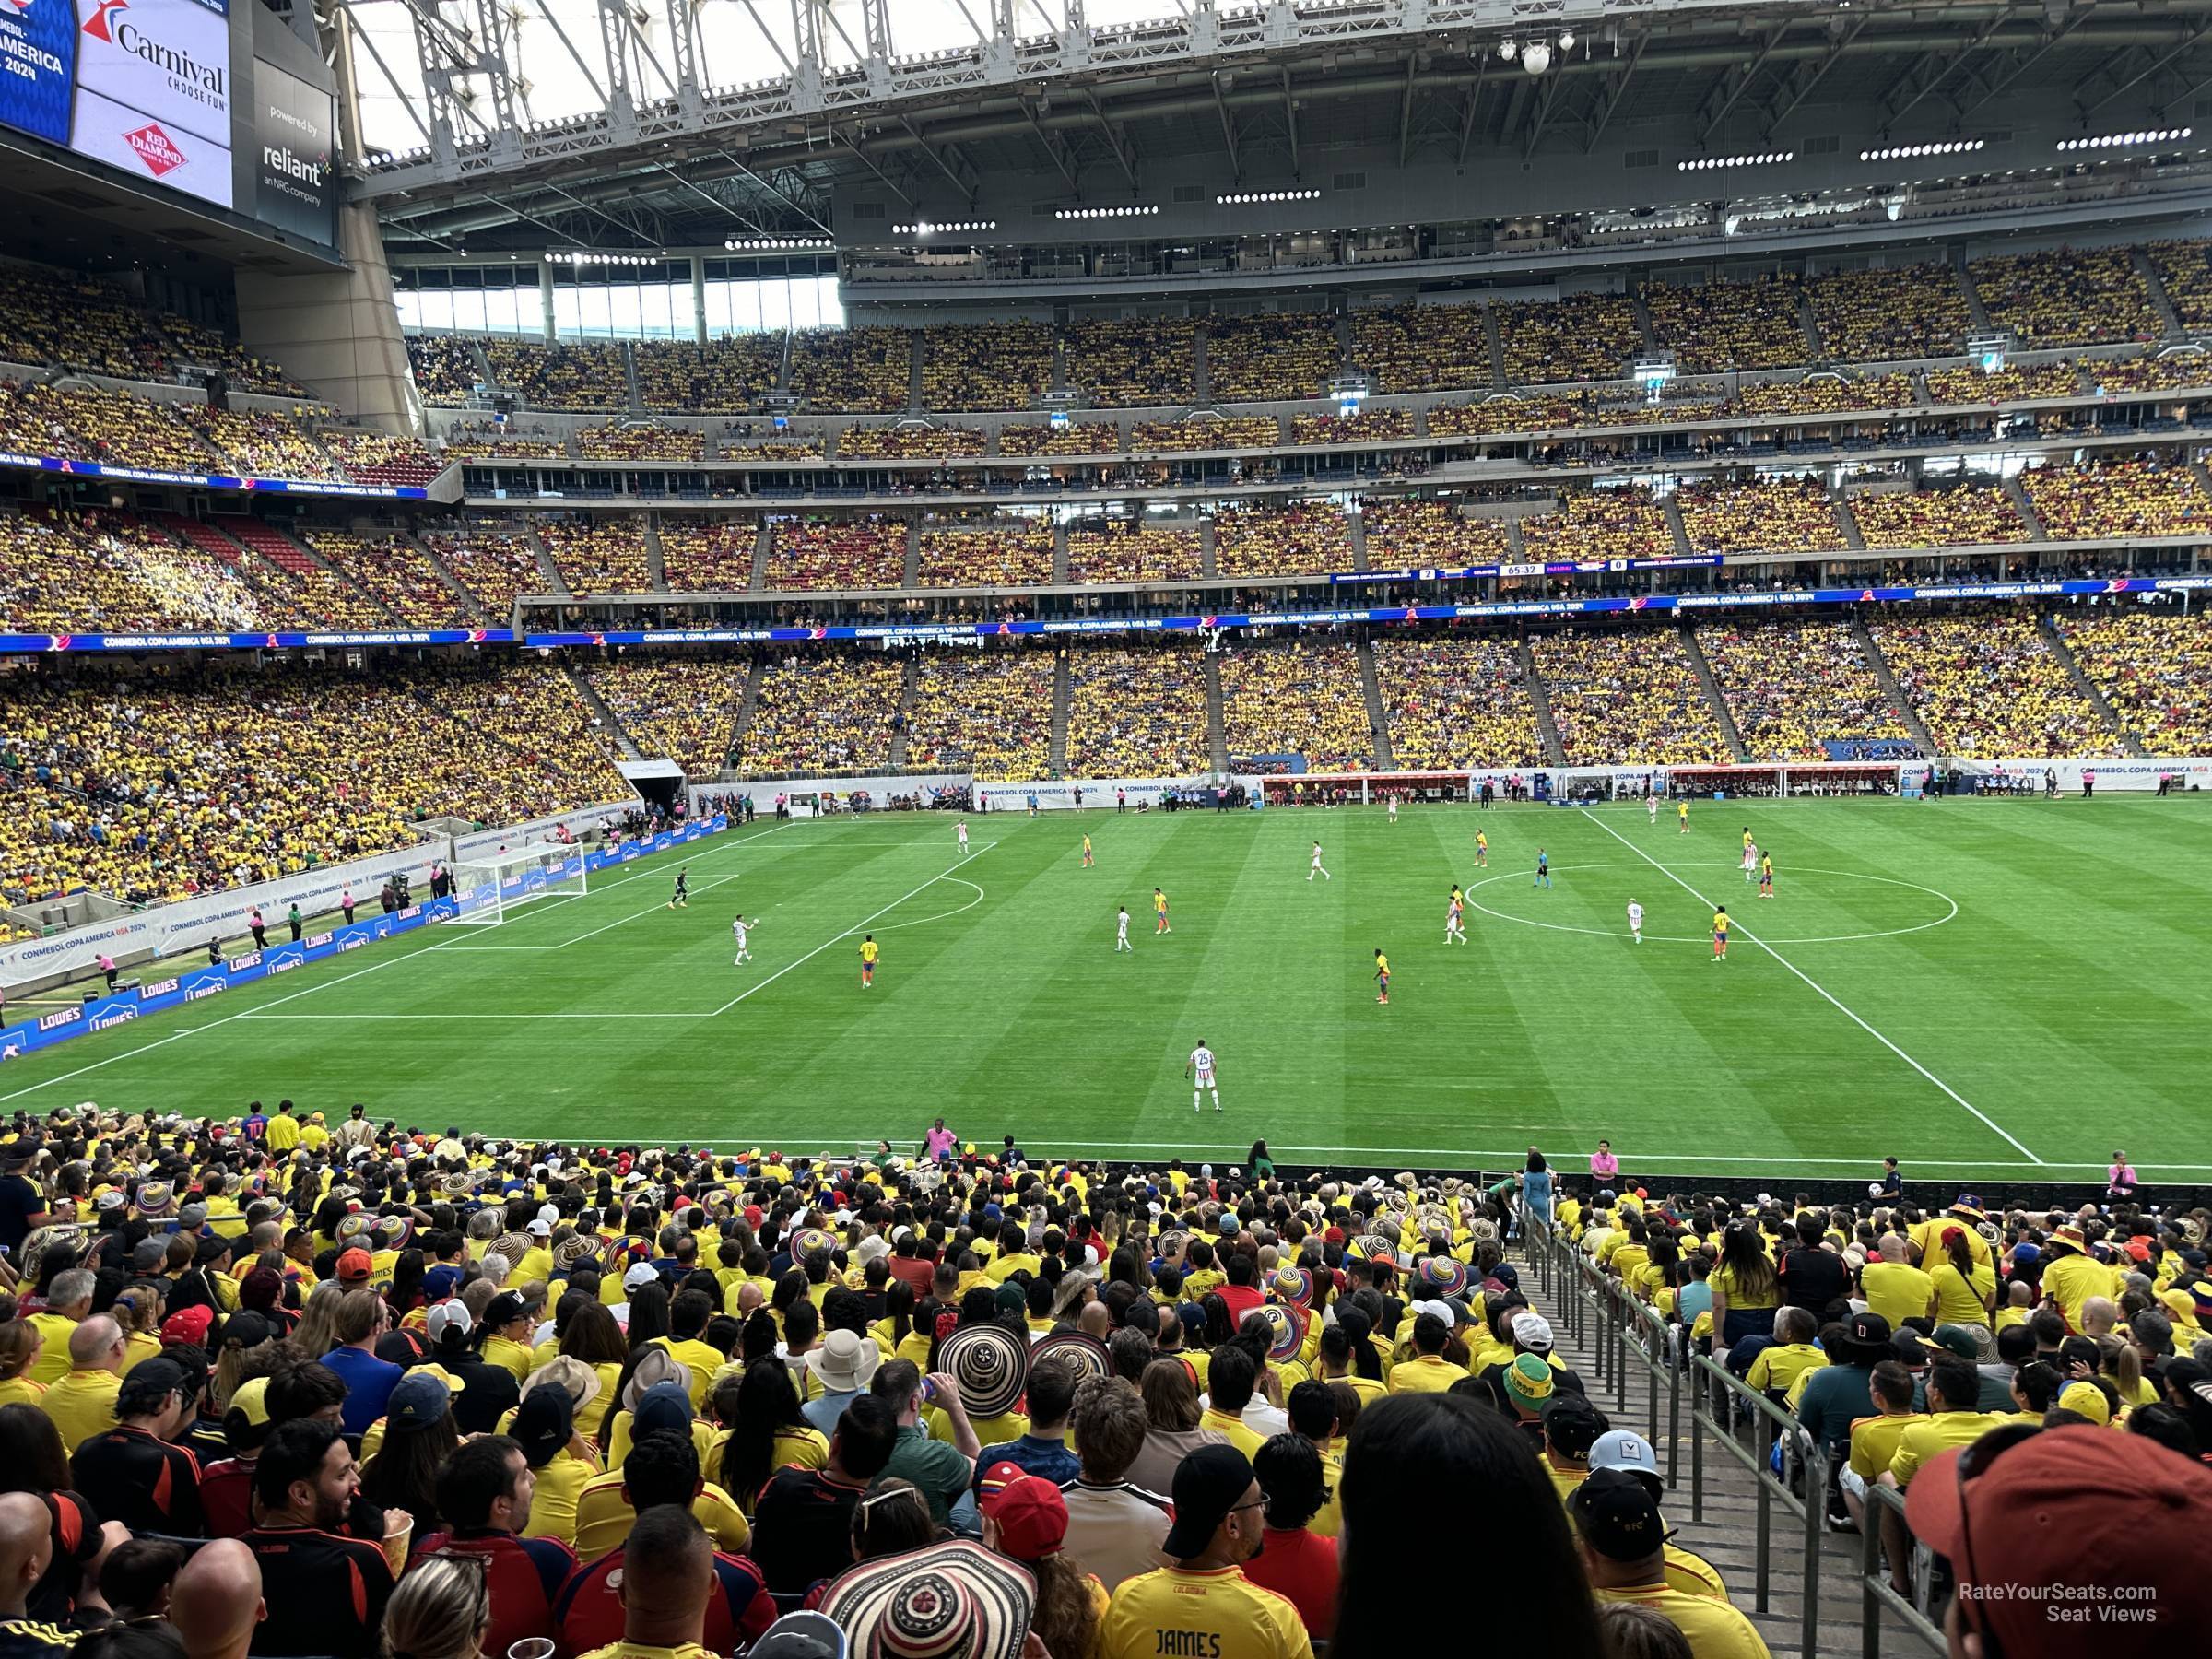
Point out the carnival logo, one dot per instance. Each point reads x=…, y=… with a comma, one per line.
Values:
x=101, y=24
x=156, y=148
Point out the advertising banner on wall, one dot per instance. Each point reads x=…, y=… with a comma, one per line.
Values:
x=295, y=186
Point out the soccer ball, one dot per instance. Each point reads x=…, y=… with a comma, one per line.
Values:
x=1874, y=1189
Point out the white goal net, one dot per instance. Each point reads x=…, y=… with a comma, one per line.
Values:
x=487, y=887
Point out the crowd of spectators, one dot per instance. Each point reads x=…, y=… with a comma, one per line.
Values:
x=2179, y=371
x=1422, y=348
x=1076, y=438
x=2012, y=384
x=1456, y=700
x=641, y=441
x=2154, y=668
x=1207, y=433
x=1823, y=394
x=1627, y=696
x=501, y=443
x=1368, y=426
x=708, y=556
x=1119, y=550
x=445, y=367
x=112, y=573
x=1410, y=532
x=723, y=377
x=675, y=708
x=1963, y=515
x=987, y=711
x=2067, y=297
x=1789, y=685
x=1134, y=362
x=837, y=553
x=864, y=370
x=395, y=572
x=986, y=552
x=985, y=365
x=1885, y=316
x=2117, y=498
x=320, y=597
x=1770, y=514
x=2184, y=271
x=1137, y=713
x=1715, y=327
x=1625, y=522
x=263, y=445
x=157, y=785
x=54, y=317
x=1305, y=539
x=598, y=553
x=1583, y=337
x=821, y=712
x=371, y=458
x=572, y=376
x=1509, y=415
x=195, y=348
x=1301, y=698
x=1271, y=355
x=87, y=423
x=909, y=440
x=1987, y=687
x=495, y=564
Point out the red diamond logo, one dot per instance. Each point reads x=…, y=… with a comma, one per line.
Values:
x=156, y=148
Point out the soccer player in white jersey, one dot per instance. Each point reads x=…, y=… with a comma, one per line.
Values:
x=1393, y=809
x=1121, y=931
x=1200, y=1066
x=1650, y=805
x=1751, y=859
x=1317, y=870
x=963, y=837
x=741, y=930
x=1452, y=930
x=1636, y=921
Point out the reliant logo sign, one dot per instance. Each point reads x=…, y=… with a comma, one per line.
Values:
x=309, y=173
x=156, y=148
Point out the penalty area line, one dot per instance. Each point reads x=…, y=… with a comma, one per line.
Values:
x=856, y=927
x=1819, y=990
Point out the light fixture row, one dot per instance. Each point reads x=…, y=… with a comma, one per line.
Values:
x=1908, y=152
x=579, y=257
x=762, y=244
x=1100, y=212
x=1247, y=198
x=1706, y=163
x=931, y=227
x=2123, y=140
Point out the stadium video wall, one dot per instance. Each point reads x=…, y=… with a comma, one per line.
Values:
x=182, y=94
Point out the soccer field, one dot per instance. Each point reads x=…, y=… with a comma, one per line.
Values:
x=1981, y=987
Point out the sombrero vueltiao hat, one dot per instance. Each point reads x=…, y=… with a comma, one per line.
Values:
x=354, y=1229
x=1087, y=1354
x=1442, y=1275
x=949, y=1601
x=808, y=1240
x=2068, y=1238
x=392, y=1232
x=1293, y=1287
x=580, y=1247
x=156, y=1199
x=457, y=1183
x=1373, y=1247
x=515, y=1246
x=1286, y=1328
x=990, y=1363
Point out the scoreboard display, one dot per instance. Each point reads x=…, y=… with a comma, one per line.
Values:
x=173, y=93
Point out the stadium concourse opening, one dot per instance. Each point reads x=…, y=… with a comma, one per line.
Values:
x=1476, y=822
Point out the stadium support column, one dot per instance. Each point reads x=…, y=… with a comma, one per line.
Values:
x=337, y=332
x=545, y=298
x=699, y=299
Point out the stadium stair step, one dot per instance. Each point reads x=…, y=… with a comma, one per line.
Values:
x=1216, y=727
x=913, y=369
x=1539, y=703
x=294, y=557
x=2203, y=477
x=555, y=582
x=1846, y=524
x=1354, y=530
x=1647, y=331
x=762, y=543
x=1718, y=703
x=1514, y=540
x=1890, y=689
x=1063, y=693
x=1059, y=361
x=2162, y=301
x=1677, y=529
x=1489, y=332
x=206, y=538
x=1060, y=555
x=1370, y=682
x=2056, y=644
x=1201, y=367
x=656, y=558
x=910, y=688
x=445, y=574
x=2026, y=509
x=1344, y=342
x=1206, y=549
x=783, y=364
x=633, y=396
x=910, y=576
x=1810, y=323
x=745, y=705
x=1974, y=307
x=610, y=723
x=1723, y=1527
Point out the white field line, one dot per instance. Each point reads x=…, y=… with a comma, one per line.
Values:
x=856, y=927
x=1819, y=990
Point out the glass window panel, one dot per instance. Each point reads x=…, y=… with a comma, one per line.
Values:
x=622, y=303
x=438, y=309
x=718, y=309
x=567, y=315
x=775, y=305
x=594, y=310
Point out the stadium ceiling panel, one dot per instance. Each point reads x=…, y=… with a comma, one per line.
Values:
x=656, y=121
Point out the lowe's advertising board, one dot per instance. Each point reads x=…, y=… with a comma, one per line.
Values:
x=144, y=86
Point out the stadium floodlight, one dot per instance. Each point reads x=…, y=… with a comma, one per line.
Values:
x=488, y=886
x=1508, y=50
x=1535, y=57
x=1566, y=39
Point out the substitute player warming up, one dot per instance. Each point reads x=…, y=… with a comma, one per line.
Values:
x=1200, y=1066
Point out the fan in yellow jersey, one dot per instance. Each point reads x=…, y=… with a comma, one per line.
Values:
x=1720, y=934
x=869, y=951
x=1623, y=1542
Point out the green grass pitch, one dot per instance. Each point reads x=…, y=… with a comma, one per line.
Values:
x=1980, y=987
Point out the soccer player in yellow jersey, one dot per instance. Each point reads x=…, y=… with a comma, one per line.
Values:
x=1766, y=875
x=1482, y=850
x=1720, y=934
x=1087, y=859
x=1159, y=912
x=869, y=951
x=1682, y=815
x=1381, y=977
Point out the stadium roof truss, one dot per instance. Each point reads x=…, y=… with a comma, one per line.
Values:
x=658, y=121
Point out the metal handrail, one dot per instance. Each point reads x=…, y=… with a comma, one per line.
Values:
x=1810, y=1508
x=1875, y=1589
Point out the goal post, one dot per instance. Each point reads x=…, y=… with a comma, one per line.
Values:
x=488, y=886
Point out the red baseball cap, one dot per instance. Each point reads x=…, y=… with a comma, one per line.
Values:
x=1028, y=1509
x=188, y=1325
x=354, y=1266
x=2050, y=1535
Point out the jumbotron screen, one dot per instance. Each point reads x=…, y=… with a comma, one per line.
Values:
x=153, y=90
